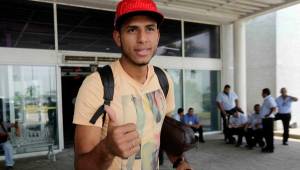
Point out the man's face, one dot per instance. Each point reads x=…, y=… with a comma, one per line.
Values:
x=283, y=91
x=191, y=111
x=257, y=109
x=227, y=90
x=138, y=39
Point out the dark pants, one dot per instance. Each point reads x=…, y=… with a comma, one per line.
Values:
x=236, y=131
x=285, y=118
x=254, y=136
x=268, y=127
x=200, y=131
x=225, y=119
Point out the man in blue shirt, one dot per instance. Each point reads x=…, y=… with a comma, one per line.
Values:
x=237, y=123
x=284, y=104
x=190, y=119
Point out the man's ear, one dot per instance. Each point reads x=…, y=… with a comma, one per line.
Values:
x=117, y=38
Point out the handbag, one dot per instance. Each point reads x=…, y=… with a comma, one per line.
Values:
x=176, y=137
x=3, y=136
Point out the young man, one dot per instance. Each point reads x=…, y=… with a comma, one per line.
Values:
x=6, y=145
x=254, y=131
x=137, y=110
x=268, y=109
x=237, y=124
x=284, y=104
x=227, y=103
x=190, y=119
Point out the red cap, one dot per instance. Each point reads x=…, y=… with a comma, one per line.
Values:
x=127, y=8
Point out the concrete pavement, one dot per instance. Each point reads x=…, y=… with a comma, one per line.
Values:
x=212, y=155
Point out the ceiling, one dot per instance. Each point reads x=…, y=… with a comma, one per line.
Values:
x=207, y=11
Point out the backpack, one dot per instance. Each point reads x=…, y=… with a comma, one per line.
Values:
x=176, y=138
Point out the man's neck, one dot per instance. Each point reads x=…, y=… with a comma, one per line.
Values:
x=138, y=73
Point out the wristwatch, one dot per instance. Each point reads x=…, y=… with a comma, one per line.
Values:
x=177, y=162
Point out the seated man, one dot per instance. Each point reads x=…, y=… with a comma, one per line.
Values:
x=193, y=121
x=254, y=131
x=179, y=115
x=237, y=124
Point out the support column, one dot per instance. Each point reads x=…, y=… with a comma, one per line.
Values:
x=240, y=86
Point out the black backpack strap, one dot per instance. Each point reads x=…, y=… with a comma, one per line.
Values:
x=107, y=79
x=163, y=80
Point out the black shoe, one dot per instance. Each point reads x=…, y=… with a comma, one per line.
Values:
x=238, y=145
x=285, y=143
x=8, y=168
x=267, y=150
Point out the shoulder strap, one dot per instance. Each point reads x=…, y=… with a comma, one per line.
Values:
x=2, y=126
x=163, y=80
x=107, y=79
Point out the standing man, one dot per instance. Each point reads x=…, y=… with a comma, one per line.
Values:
x=284, y=104
x=227, y=103
x=136, y=113
x=267, y=112
x=191, y=120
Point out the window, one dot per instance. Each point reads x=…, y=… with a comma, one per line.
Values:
x=201, y=40
x=82, y=29
x=170, y=38
x=176, y=76
x=28, y=95
x=26, y=24
x=201, y=89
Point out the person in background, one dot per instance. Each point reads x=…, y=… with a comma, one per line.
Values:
x=179, y=116
x=254, y=131
x=190, y=119
x=237, y=124
x=5, y=142
x=268, y=109
x=227, y=103
x=284, y=104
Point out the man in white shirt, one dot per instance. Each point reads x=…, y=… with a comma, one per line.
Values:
x=268, y=109
x=254, y=131
x=284, y=104
x=237, y=124
x=227, y=103
x=179, y=116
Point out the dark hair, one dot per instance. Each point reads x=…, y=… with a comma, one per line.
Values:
x=266, y=91
x=180, y=110
x=226, y=86
x=191, y=109
x=256, y=105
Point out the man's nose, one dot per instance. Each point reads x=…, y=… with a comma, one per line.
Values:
x=142, y=36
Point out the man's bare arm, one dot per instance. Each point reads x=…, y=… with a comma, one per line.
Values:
x=90, y=153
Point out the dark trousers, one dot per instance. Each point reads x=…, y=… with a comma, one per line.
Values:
x=268, y=127
x=254, y=136
x=285, y=118
x=236, y=131
x=225, y=119
x=200, y=131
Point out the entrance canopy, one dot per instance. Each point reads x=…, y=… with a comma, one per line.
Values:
x=207, y=11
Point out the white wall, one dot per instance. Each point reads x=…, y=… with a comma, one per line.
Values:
x=288, y=54
x=261, y=57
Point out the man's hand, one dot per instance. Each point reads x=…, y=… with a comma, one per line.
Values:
x=184, y=166
x=122, y=141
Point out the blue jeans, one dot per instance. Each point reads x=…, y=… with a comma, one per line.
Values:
x=8, y=153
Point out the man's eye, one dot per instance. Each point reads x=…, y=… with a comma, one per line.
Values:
x=150, y=29
x=131, y=30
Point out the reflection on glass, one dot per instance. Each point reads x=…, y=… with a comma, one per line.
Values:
x=170, y=38
x=201, y=89
x=26, y=24
x=176, y=76
x=83, y=29
x=201, y=40
x=29, y=96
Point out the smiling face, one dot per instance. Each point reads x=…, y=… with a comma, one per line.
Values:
x=138, y=39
